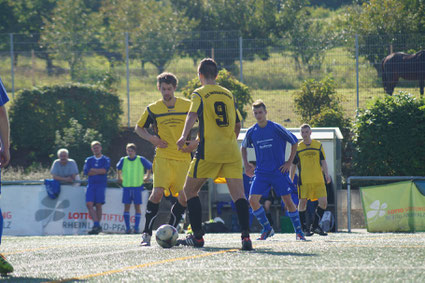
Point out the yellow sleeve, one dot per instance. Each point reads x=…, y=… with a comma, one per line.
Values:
x=238, y=115
x=145, y=120
x=196, y=102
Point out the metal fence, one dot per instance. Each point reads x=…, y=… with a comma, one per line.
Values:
x=274, y=70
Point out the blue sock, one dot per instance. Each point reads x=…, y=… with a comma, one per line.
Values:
x=137, y=221
x=262, y=218
x=96, y=224
x=127, y=220
x=295, y=219
x=1, y=225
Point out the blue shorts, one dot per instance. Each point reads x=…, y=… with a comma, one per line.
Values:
x=132, y=194
x=263, y=182
x=96, y=193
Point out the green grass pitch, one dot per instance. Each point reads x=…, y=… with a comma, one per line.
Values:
x=339, y=257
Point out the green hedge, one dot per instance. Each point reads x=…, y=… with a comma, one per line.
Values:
x=389, y=137
x=37, y=114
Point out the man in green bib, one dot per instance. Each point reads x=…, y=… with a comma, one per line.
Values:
x=131, y=174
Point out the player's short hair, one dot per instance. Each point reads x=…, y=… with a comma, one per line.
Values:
x=168, y=78
x=208, y=68
x=93, y=143
x=303, y=126
x=132, y=146
x=63, y=150
x=258, y=103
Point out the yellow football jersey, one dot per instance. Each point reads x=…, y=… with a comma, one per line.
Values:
x=308, y=160
x=217, y=117
x=168, y=124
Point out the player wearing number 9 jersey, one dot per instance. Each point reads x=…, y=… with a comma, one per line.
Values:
x=217, y=117
x=218, y=153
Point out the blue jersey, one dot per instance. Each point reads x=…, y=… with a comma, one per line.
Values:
x=97, y=163
x=270, y=145
x=3, y=94
x=3, y=99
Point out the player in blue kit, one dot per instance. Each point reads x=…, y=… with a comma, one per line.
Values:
x=5, y=267
x=131, y=174
x=269, y=141
x=96, y=167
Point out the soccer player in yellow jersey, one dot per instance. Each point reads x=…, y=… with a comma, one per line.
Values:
x=311, y=162
x=217, y=154
x=167, y=116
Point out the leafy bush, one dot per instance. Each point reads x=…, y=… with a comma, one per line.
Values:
x=334, y=118
x=315, y=96
x=37, y=114
x=107, y=79
x=240, y=91
x=389, y=137
x=77, y=140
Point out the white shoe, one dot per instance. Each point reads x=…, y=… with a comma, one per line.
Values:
x=146, y=240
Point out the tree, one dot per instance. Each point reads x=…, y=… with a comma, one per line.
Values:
x=316, y=96
x=221, y=23
x=384, y=25
x=30, y=15
x=70, y=31
x=160, y=32
x=389, y=137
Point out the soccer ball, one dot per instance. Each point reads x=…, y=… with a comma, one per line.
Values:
x=166, y=236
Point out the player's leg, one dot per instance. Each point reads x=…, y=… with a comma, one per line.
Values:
x=152, y=210
x=267, y=207
x=191, y=189
x=233, y=174
x=99, y=216
x=126, y=200
x=137, y=218
x=179, y=207
x=320, y=210
x=302, y=209
x=127, y=218
x=137, y=201
x=281, y=183
x=259, y=186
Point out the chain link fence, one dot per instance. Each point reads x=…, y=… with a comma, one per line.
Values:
x=273, y=69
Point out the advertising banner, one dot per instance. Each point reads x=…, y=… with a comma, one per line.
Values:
x=396, y=207
x=28, y=210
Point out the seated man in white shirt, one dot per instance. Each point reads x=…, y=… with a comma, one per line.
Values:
x=64, y=169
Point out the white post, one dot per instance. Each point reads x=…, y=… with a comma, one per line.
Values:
x=128, y=78
x=12, y=61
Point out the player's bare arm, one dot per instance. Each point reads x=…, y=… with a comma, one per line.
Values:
x=119, y=176
x=63, y=179
x=147, y=177
x=325, y=170
x=287, y=165
x=292, y=172
x=153, y=139
x=5, y=136
x=249, y=169
x=238, y=127
x=190, y=121
x=190, y=146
